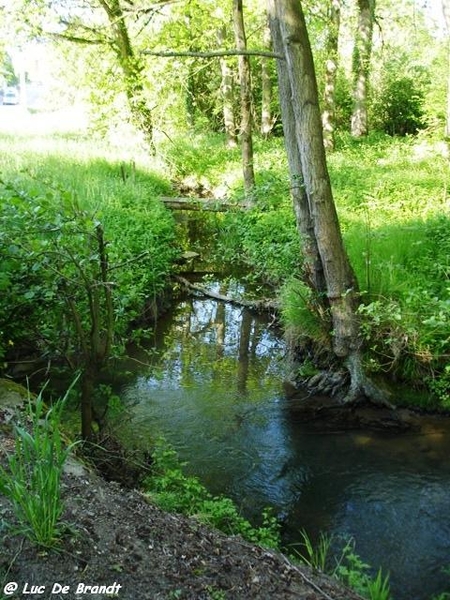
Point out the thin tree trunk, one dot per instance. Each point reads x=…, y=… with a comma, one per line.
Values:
x=190, y=98
x=331, y=66
x=246, y=99
x=266, y=88
x=226, y=89
x=361, y=67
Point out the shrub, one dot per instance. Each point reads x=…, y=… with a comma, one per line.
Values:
x=398, y=109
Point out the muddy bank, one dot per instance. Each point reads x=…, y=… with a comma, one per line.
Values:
x=327, y=413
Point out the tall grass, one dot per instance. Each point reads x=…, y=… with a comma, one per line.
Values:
x=32, y=477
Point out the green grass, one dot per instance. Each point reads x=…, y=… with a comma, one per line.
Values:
x=32, y=478
x=347, y=567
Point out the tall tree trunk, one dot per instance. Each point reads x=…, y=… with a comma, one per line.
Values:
x=446, y=11
x=266, y=88
x=331, y=66
x=132, y=69
x=226, y=89
x=313, y=271
x=342, y=292
x=361, y=67
x=246, y=99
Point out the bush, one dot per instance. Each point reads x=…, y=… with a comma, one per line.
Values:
x=398, y=108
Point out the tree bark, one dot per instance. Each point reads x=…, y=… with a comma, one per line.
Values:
x=226, y=89
x=246, y=99
x=361, y=67
x=313, y=270
x=287, y=21
x=331, y=67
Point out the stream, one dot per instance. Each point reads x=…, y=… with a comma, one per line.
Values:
x=214, y=391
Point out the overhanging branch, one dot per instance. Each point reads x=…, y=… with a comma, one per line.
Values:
x=213, y=53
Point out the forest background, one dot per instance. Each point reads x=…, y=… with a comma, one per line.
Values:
x=86, y=246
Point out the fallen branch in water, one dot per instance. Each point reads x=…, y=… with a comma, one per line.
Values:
x=258, y=305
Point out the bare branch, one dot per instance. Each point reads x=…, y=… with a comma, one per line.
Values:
x=212, y=53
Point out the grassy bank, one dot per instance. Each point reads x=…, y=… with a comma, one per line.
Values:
x=394, y=211
x=85, y=248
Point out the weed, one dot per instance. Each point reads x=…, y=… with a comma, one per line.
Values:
x=215, y=594
x=348, y=567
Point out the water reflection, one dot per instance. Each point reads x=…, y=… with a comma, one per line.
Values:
x=214, y=392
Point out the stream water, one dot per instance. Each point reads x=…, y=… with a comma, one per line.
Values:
x=214, y=391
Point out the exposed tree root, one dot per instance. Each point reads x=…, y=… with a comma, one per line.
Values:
x=347, y=382
x=362, y=386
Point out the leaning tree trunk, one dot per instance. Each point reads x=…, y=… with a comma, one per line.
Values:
x=226, y=89
x=361, y=67
x=132, y=69
x=331, y=67
x=312, y=269
x=341, y=286
x=246, y=99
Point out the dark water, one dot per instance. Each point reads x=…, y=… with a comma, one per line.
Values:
x=215, y=393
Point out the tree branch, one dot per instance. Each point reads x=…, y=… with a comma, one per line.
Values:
x=78, y=39
x=213, y=53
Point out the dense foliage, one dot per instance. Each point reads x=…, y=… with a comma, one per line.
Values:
x=85, y=252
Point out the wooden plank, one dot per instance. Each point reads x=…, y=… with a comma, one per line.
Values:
x=208, y=204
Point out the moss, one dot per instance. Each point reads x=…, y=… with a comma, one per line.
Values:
x=12, y=393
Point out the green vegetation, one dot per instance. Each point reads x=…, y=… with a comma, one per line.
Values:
x=347, y=567
x=85, y=250
x=392, y=201
x=393, y=206
x=174, y=491
x=33, y=474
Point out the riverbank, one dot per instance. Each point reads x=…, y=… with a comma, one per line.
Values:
x=116, y=542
